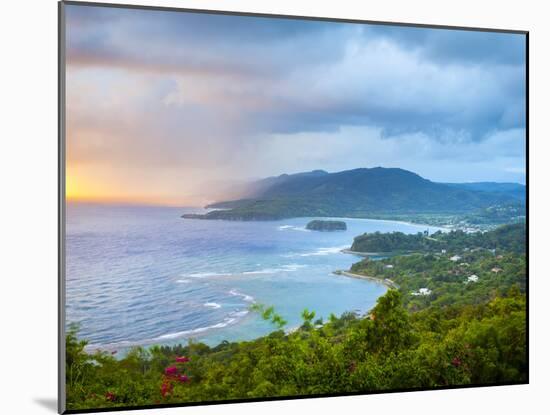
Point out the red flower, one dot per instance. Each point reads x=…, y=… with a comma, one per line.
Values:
x=165, y=389
x=183, y=378
x=456, y=362
x=172, y=370
x=110, y=396
x=182, y=359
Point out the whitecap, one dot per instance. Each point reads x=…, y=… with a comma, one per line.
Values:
x=262, y=271
x=293, y=267
x=186, y=333
x=206, y=274
x=325, y=251
x=293, y=228
x=232, y=318
x=212, y=305
x=240, y=313
x=284, y=268
x=245, y=297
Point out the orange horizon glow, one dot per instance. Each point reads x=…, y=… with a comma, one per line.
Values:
x=80, y=188
x=131, y=201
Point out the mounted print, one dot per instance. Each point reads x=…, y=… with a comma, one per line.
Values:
x=258, y=207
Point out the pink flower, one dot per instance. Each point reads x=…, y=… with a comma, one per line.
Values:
x=172, y=370
x=165, y=389
x=182, y=359
x=456, y=362
x=183, y=378
x=110, y=396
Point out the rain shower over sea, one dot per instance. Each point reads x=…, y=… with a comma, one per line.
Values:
x=141, y=275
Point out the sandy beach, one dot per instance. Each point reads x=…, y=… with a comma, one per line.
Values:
x=387, y=282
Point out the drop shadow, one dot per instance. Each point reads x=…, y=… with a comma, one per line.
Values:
x=48, y=403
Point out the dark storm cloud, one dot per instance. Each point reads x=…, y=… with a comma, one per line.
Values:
x=452, y=46
x=488, y=68
x=199, y=43
x=152, y=88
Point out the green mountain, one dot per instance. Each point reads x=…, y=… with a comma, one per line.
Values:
x=352, y=193
x=514, y=190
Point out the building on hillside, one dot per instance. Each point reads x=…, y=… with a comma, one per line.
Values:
x=422, y=291
x=472, y=278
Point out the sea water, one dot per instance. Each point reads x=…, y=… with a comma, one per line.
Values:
x=139, y=275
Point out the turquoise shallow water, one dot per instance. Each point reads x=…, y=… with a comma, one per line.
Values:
x=142, y=275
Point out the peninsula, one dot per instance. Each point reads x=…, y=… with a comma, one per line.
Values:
x=363, y=193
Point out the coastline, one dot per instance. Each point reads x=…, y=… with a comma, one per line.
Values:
x=386, y=281
x=122, y=348
x=361, y=254
x=443, y=228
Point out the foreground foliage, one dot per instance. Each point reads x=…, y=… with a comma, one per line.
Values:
x=390, y=349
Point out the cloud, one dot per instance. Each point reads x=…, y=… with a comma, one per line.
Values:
x=448, y=46
x=164, y=93
x=319, y=76
x=194, y=44
x=359, y=146
x=378, y=83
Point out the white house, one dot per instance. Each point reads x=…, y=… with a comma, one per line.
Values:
x=455, y=258
x=422, y=291
x=472, y=278
x=389, y=266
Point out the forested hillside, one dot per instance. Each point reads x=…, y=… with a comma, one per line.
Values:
x=355, y=193
x=504, y=238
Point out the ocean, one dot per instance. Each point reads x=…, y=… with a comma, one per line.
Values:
x=141, y=275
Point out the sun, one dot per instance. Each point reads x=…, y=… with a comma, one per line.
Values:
x=71, y=191
x=78, y=187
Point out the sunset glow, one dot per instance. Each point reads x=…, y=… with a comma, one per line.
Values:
x=81, y=187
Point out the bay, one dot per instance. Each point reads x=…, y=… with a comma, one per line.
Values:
x=142, y=275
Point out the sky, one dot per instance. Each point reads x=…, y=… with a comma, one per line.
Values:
x=184, y=108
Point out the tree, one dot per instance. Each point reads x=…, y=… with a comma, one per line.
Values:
x=391, y=329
